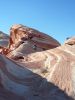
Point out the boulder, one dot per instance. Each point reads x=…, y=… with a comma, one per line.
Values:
x=31, y=39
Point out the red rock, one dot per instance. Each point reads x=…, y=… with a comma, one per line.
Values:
x=31, y=75
x=4, y=50
x=33, y=39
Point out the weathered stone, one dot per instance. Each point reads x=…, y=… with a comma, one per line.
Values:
x=31, y=38
x=70, y=41
x=55, y=65
x=20, y=83
x=31, y=75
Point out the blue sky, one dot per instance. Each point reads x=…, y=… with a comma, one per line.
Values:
x=54, y=17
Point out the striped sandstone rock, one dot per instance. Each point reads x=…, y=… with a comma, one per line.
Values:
x=37, y=67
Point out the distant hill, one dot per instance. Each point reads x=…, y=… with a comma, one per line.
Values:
x=4, y=39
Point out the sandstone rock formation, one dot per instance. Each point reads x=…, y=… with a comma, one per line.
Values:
x=20, y=83
x=36, y=67
x=32, y=39
x=55, y=65
x=70, y=41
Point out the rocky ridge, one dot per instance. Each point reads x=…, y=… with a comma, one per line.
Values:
x=36, y=67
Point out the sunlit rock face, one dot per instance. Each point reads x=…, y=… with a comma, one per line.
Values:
x=4, y=39
x=36, y=67
x=20, y=83
x=54, y=65
x=31, y=39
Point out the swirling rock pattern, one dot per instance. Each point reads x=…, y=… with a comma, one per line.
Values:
x=20, y=83
x=28, y=73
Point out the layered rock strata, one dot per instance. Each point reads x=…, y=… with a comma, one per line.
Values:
x=36, y=67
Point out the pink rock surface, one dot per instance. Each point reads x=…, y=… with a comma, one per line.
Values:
x=20, y=83
x=38, y=73
x=32, y=38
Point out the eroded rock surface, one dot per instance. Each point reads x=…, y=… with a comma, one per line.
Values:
x=37, y=67
x=32, y=39
x=70, y=41
x=55, y=65
x=20, y=83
